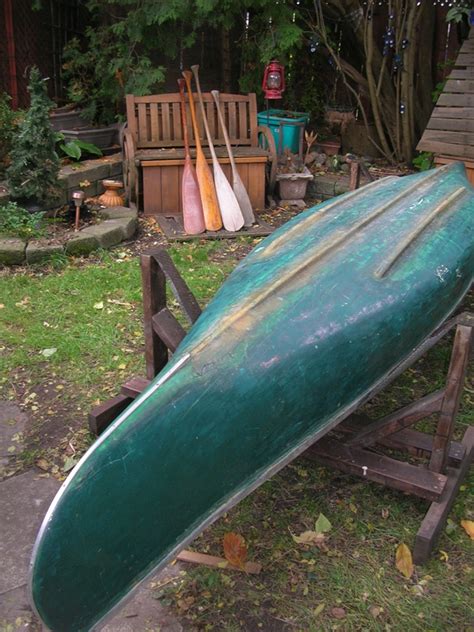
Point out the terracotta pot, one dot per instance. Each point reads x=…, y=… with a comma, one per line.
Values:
x=330, y=147
x=292, y=186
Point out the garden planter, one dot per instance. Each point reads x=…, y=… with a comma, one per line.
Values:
x=330, y=147
x=292, y=186
x=103, y=137
x=287, y=128
x=65, y=118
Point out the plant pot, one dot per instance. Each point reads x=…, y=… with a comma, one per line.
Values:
x=292, y=186
x=287, y=128
x=65, y=118
x=103, y=137
x=330, y=147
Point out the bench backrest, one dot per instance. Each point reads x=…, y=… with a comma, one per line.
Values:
x=155, y=120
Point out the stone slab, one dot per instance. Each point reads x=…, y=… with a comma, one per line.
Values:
x=24, y=500
x=115, y=212
x=36, y=253
x=12, y=251
x=108, y=233
x=83, y=244
x=128, y=226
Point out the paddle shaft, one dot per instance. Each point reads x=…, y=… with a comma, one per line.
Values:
x=210, y=204
x=229, y=206
x=193, y=216
x=239, y=188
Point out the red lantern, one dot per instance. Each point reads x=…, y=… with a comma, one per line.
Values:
x=274, y=80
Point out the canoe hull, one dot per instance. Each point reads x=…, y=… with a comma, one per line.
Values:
x=253, y=384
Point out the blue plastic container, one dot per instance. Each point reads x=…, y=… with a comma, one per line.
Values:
x=286, y=127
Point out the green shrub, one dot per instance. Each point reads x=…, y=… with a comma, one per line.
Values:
x=34, y=168
x=8, y=126
x=15, y=221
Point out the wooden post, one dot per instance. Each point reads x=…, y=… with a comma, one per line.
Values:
x=355, y=175
x=451, y=399
x=154, y=300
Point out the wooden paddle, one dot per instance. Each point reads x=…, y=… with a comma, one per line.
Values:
x=230, y=210
x=193, y=217
x=237, y=184
x=207, y=190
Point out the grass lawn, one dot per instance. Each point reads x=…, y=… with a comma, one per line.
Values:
x=70, y=336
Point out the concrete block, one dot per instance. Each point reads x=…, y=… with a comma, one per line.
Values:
x=116, y=212
x=107, y=233
x=36, y=253
x=12, y=251
x=83, y=244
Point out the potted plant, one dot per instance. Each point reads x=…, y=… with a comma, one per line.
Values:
x=33, y=173
x=293, y=177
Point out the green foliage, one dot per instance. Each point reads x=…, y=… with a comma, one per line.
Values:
x=458, y=14
x=8, y=126
x=423, y=161
x=15, y=221
x=76, y=148
x=439, y=87
x=34, y=168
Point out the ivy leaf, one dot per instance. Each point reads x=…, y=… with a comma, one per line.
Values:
x=235, y=549
x=47, y=353
x=404, y=560
x=322, y=524
x=468, y=526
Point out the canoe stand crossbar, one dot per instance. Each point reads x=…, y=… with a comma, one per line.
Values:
x=351, y=447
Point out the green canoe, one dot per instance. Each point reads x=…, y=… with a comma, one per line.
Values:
x=312, y=320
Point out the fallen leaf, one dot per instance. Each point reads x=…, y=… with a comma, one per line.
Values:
x=338, y=613
x=322, y=524
x=317, y=611
x=309, y=537
x=43, y=464
x=99, y=305
x=69, y=463
x=47, y=353
x=235, y=549
x=375, y=611
x=468, y=526
x=122, y=366
x=404, y=560
x=385, y=513
x=2, y=306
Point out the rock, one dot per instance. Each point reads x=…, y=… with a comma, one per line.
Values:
x=128, y=226
x=108, y=233
x=115, y=212
x=36, y=253
x=82, y=244
x=319, y=158
x=345, y=168
x=12, y=251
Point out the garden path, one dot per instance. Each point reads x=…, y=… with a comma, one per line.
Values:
x=24, y=499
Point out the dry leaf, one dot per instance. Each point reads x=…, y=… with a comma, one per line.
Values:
x=375, y=611
x=309, y=537
x=338, y=613
x=404, y=560
x=43, y=464
x=468, y=526
x=317, y=611
x=235, y=549
x=99, y=305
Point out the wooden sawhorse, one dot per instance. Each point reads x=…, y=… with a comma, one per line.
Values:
x=350, y=447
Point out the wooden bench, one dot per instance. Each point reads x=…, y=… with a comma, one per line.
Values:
x=153, y=148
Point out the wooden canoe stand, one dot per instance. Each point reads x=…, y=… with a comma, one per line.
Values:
x=355, y=445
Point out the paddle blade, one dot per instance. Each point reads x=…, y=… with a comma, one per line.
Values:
x=210, y=204
x=193, y=216
x=243, y=200
x=232, y=217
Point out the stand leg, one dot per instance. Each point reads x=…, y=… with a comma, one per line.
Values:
x=154, y=300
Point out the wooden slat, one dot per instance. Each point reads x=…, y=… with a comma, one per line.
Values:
x=131, y=115
x=211, y=120
x=379, y=468
x=456, y=100
x=142, y=127
x=456, y=137
x=165, y=121
x=168, y=329
x=170, y=188
x=232, y=122
x=103, y=415
x=454, y=124
x=177, y=125
x=253, y=119
x=243, y=126
x=459, y=85
x=458, y=73
x=445, y=112
x=465, y=59
x=154, y=122
x=134, y=386
x=447, y=149
x=154, y=299
x=152, y=191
